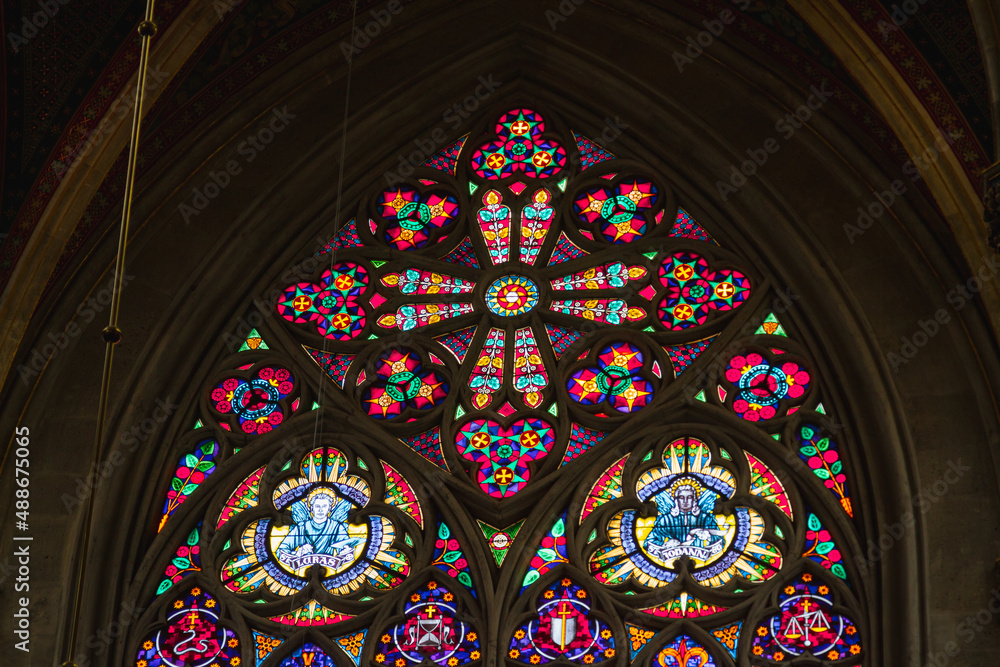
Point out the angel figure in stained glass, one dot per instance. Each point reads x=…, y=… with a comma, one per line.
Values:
x=320, y=534
x=685, y=523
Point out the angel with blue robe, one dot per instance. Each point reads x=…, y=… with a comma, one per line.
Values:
x=320, y=528
x=685, y=517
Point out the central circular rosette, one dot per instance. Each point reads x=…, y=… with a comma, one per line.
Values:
x=511, y=295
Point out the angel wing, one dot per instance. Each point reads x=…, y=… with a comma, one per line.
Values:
x=664, y=502
x=341, y=511
x=706, y=501
x=300, y=512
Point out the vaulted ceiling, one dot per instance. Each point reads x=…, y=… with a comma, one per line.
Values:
x=64, y=75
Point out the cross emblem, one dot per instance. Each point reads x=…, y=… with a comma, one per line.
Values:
x=530, y=438
x=495, y=161
x=541, y=159
x=302, y=302
x=341, y=320
x=344, y=282
x=724, y=290
x=683, y=311
x=564, y=612
x=520, y=126
x=430, y=611
x=480, y=440
x=503, y=475
x=683, y=272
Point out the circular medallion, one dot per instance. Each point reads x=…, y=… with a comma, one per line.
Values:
x=518, y=147
x=302, y=303
x=319, y=535
x=500, y=541
x=618, y=209
x=541, y=159
x=403, y=386
x=414, y=216
x=697, y=291
x=511, y=295
x=330, y=301
x=613, y=380
x=765, y=383
x=178, y=646
x=520, y=127
x=255, y=400
x=685, y=524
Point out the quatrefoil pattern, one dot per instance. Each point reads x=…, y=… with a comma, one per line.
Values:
x=332, y=305
x=694, y=290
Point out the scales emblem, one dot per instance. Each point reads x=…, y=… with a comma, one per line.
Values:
x=806, y=624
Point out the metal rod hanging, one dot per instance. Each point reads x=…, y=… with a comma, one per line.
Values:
x=111, y=333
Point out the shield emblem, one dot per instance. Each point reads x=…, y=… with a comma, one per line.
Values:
x=563, y=626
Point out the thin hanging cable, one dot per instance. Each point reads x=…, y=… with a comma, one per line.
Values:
x=112, y=334
x=317, y=428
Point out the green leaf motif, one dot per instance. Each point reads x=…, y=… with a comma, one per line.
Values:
x=822, y=473
x=181, y=563
x=451, y=556
x=164, y=586
x=808, y=451
x=839, y=570
x=177, y=484
x=193, y=538
x=836, y=467
x=191, y=461
x=814, y=523
x=823, y=444
x=824, y=548
x=807, y=433
x=530, y=578
x=559, y=529
x=189, y=489
x=206, y=466
x=548, y=555
x=465, y=579
x=443, y=532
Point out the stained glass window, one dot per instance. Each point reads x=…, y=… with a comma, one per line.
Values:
x=529, y=407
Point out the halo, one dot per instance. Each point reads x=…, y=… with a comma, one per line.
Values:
x=686, y=481
x=320, y=491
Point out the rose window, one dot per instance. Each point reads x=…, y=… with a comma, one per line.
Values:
x=523, y=408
